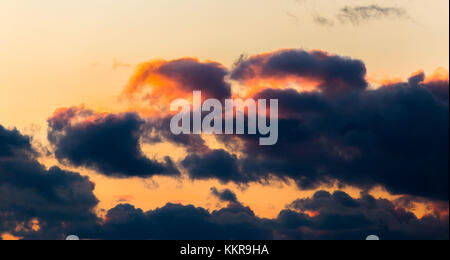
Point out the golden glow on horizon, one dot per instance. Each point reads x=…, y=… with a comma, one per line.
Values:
x=7, y=236
x=152, y=193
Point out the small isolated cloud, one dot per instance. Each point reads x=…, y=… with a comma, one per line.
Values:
x=151, y=184
x=224, y=195
x=292, y=16
x=119, y=64
x=357, y=15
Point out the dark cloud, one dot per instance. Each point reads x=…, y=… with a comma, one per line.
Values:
x=36, y=203
x=12, y=143
x=335, y=74
x=395, y=136
x=340, y=216
x=158, y=131
x=291, y=102
x=324, y=216
x=108, y=143
x=323, y=21
x=50, y=204
x=438, y=85
x=217, y=164
x=177, y=222
x=439, y=88
x=207, y=77
x=225, y=195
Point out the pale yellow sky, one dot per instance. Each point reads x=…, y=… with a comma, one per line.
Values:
x=57, y=53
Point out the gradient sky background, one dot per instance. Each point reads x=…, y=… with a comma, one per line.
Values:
x=66, y=49
x=65, y=53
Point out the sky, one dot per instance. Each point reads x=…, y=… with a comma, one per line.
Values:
x=74, y=78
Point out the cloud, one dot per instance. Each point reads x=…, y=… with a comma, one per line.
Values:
x=359, y=14
x=294, y=101
x=333, y=130
x=341, y=132
x=12, y=143
x=107, y=143
x=216, y=164
x=438, y=84
x=324, y=216
x=328, y=73
x=160, y=82
x=50, y=204
x=177, y=222
x=225, y=195
x=343, y=217
x=323, y=21
x=158, y=131
x=395, y=136
x=37, y=203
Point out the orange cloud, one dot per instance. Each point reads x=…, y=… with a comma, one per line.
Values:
x=438, y=84
x=8, y=236
x=79, y=115
x=439, y=75
x=159, y=82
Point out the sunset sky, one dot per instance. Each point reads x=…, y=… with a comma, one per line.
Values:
x=363, y=92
